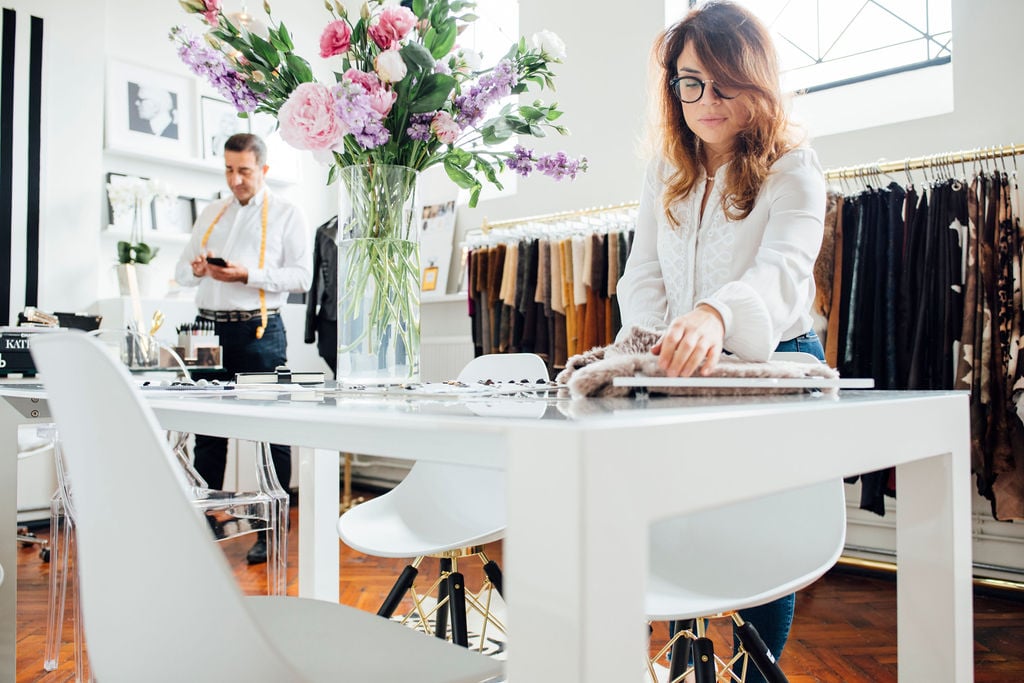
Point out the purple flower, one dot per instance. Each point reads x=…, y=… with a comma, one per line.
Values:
x=521, y=161
x=354, y=109
x=491, y=87
x=212, y=65
x=419, y=126
x=555, y=166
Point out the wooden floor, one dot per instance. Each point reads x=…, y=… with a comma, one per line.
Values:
x=844, y=630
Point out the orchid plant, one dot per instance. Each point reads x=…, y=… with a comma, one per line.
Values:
x=130, y=197
x=404, y=92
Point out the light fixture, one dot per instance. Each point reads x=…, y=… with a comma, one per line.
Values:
x=242, y=19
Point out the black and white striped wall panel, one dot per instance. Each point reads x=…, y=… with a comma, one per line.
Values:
x=21, y=92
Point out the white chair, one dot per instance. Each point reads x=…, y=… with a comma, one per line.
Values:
x=34, y=441
x=697, y=570
x=229, y=514
x=445, y=511
x=184, y=617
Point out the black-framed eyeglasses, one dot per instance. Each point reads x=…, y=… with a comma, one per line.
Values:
x=689, y=89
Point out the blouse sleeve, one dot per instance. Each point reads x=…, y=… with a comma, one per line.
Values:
x=641, y=289
x=778, y=288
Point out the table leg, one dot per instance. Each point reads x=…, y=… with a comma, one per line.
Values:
x=9, y=419
x=933, y=545
x=318, y=524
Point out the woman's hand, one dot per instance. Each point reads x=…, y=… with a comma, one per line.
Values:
x=692, y=342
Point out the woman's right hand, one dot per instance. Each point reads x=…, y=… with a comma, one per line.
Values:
x=692, y=343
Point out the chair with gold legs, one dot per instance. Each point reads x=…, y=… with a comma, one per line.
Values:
x=448, y=512
x=698, y=571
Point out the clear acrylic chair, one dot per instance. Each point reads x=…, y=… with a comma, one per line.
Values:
x=197, y=626
x=697, y=571
x=444, y=511
x=229, y=514
x=34, y=441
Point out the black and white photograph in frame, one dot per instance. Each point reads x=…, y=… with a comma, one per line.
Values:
x=174, y=215
x=148, y=111
x=220, y=121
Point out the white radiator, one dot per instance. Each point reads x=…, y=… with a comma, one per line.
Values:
x=442, y=358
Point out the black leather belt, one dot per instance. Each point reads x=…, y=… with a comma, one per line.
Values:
x=234, y=316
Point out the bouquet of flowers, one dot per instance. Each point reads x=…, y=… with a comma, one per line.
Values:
x=130, y=197
x=404, y=97
x=405, y=93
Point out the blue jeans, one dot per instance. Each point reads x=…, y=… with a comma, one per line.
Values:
x=774, y=619
x=243, y=352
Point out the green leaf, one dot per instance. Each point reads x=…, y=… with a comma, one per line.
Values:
x=267, y=52
x=474, y=195
x=144, y=253
x=419, y=8
x=299, y=68
x=536, y=131
x=332, y=174
x=439, y=13
x=459, y=175
x=433, y=92
x=124, y=252
x=415, y=55
x=285, y=38
x=447, y=32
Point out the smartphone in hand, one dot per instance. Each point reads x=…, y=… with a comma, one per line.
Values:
x=216, y=261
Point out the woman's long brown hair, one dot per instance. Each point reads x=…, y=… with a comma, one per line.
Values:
x=738, y=52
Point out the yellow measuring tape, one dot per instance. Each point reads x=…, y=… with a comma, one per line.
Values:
x=263, y=256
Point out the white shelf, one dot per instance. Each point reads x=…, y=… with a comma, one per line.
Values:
x=148, y=235
x=211, y=166
x=443, y=298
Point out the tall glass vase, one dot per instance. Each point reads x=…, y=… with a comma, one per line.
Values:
x=378, y=276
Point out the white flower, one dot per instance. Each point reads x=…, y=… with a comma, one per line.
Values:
x=549, y=44
x=390, y=66
x=469, y=60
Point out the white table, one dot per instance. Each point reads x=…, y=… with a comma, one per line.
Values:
x=585, y=481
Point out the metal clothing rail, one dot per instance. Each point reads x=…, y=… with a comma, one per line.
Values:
x=934, y=161
x=552, y=217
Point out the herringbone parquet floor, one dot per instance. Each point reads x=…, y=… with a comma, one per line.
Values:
x=844, y=631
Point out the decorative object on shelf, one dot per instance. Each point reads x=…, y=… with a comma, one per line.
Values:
x=220, y=121
x=404, y=96
x=148, y=111
x=133, y=195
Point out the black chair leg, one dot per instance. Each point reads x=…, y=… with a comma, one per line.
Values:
x=680, y=654
x=398, y=591
x=441, y=615
x=493, y=573
x=703, y=661
x=759, y=653
x=457, y=608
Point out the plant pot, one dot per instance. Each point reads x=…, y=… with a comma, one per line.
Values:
x=378, y=276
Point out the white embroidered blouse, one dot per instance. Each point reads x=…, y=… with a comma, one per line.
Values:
x=756, y=272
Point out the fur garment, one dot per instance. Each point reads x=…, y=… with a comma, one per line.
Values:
x=592, y=373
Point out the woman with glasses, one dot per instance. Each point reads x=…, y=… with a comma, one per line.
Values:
x=731, y=217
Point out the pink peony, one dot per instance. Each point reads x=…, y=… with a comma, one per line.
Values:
x=335, y=40
x=307, y=119
x=211, y=11
x=394, y=23
x=380, y=98
x=446, y=130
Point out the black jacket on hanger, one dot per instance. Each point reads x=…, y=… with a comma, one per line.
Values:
x=322, y=303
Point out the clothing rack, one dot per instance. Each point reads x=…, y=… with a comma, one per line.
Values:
x=486, y=227
x=933, y=161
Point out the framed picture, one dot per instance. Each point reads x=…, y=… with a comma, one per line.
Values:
x=174, y=215
x=120, y=191
x=148, y=111
x=220, y=121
